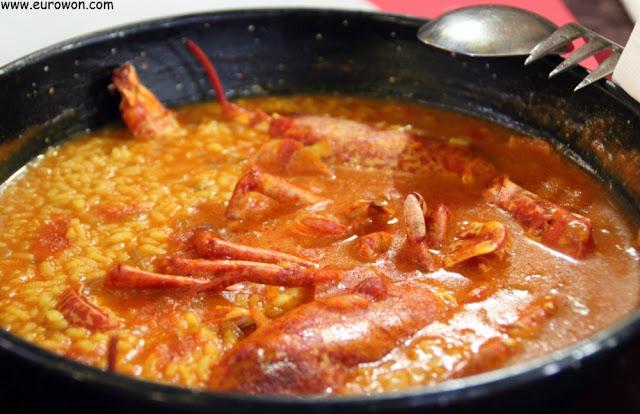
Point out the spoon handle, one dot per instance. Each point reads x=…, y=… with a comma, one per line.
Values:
x=628, y=67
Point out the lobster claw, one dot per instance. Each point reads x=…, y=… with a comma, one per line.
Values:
x=543, y=220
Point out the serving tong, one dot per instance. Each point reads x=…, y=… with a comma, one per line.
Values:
x=594, y=44
x=624, y=67
x=496, y=30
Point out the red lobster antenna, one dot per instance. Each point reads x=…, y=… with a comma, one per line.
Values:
x=211, y=71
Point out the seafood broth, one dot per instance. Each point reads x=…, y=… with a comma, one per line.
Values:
x=219, y=257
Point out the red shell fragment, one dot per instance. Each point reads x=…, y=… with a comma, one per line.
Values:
x=373, y=245
x=477, y=239
x=143, y=113
x=78, y=310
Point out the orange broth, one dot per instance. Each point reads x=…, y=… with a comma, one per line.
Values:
x=104, y=199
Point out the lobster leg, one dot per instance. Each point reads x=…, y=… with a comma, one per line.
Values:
x=212, y=247
x=277, y=188
x=544, y=221
x=112, y=353
x=437, y=224
x=264, y=273
x=128, y=277
x=229, y=110
x=226, y=273
x=414, y=212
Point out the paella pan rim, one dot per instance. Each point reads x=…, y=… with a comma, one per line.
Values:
x=604, y=344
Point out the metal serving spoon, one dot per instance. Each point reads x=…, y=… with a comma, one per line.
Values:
x=488, y=30
x=492, y=30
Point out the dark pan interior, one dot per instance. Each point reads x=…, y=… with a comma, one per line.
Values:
x=62, y=91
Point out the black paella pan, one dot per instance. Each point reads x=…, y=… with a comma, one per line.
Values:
x=315, y=51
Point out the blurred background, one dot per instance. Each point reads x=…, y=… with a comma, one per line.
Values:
x=27, y=25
